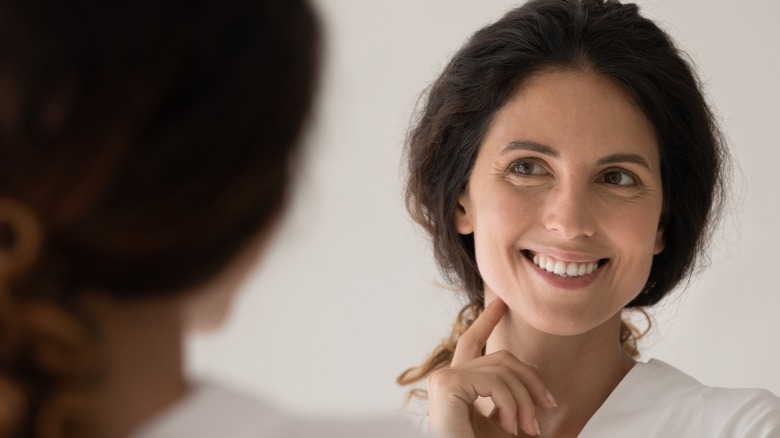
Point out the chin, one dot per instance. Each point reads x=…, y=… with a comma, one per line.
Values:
x=561, y=323
x=564, y=328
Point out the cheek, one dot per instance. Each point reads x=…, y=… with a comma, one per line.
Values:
x=636, y=236
x=641, y=230
x=502, y=209
x=503, y=219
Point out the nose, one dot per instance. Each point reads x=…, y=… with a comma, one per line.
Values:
x=570, y=211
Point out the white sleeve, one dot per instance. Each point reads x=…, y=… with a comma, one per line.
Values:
x=757, y=417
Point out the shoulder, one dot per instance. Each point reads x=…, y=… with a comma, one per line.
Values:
x=213, y=410
x=659, y=398
x=680, y=389
x=740, y=412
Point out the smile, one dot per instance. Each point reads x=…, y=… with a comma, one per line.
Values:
x=563, y=268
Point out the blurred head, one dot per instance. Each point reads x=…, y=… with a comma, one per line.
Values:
x=144, y=145
x=603, y=39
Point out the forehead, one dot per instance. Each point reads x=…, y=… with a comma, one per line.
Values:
x=574, y=113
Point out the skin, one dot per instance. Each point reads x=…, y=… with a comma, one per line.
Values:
x=135, y=391
x=569, y=169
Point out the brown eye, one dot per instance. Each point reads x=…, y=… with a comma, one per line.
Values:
x=618, y=178
x=526, y=167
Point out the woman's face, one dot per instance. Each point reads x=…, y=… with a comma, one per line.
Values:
x=564, y=201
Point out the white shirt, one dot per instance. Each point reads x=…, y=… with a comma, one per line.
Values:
x=210, y=411
x=657, y=400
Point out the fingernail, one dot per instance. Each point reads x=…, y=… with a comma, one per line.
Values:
x=536, y=425
x=551, y=399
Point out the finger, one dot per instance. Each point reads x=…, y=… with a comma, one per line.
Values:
x=524, y=417
x=506, y=408
x=522, y=422
x=452, y=396
x=526, y=412
x=472, y=341
x=517, y=413
x=527, y=375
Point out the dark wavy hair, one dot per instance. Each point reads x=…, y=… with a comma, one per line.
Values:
x=143, y=143
x=604, y=37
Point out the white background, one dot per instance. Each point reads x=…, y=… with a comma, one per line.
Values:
x=348, y=295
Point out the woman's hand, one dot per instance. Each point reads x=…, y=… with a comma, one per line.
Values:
x=514, y=387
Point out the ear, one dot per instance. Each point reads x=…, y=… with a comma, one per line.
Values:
x=659, y=240
x=463, y=218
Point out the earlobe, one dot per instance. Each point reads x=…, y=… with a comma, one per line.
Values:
x=463, y=223
x=659, y=241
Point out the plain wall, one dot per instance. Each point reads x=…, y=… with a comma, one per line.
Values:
x=348, y=295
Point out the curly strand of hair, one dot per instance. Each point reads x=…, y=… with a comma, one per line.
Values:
x=630, y=335
x=441, y=356
x=47, y=355
x=13, y=407
x=20, y=239
x=68, y=413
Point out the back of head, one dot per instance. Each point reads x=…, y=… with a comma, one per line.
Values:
x=142, y=145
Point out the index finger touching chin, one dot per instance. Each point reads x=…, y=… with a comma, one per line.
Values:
x=472, y=340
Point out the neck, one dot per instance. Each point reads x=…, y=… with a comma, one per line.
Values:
x=141, y=343
x=581, y=371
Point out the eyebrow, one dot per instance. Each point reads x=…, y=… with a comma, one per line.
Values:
x=547, y=150
x=625, y=158
x=533, y=146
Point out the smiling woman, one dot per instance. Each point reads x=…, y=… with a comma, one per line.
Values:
x=567, y=166
x=577, y=200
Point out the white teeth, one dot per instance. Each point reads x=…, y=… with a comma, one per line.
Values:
x=564, y=269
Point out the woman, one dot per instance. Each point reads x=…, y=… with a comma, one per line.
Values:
x=567, y=167
x=145, y=156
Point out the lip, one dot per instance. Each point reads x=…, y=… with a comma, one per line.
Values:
x=570, y=283
x=566, y=256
